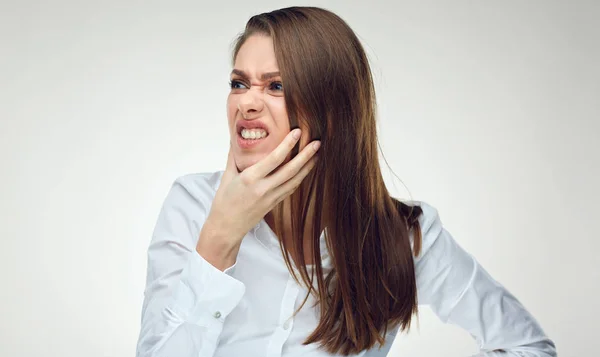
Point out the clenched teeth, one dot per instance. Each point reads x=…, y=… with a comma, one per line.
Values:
x=253, y=133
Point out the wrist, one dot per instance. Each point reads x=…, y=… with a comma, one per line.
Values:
x=216, y=246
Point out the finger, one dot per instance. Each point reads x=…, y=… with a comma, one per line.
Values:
x=286, y=189
x=293, y=167
x=276, y=157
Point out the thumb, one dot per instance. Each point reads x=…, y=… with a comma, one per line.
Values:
x=231, y=169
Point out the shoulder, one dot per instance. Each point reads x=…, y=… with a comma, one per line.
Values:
x=430, y=216
x=430, y=225
x=196, y=189
x=200, y=183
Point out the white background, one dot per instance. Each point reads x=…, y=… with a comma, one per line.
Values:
x=488, y=110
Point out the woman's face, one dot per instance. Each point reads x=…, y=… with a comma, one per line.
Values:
x=256, y=111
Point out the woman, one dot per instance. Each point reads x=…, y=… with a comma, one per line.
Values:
x=299, y=250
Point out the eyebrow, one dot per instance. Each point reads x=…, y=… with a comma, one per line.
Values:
x=263, y=77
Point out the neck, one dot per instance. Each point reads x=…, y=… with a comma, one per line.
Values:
x=284, y=213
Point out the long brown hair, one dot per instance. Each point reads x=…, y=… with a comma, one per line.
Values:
x=328, y=88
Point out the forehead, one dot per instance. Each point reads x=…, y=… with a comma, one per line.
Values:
x=256, y=56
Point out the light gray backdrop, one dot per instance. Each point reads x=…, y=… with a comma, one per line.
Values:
x=488, y=110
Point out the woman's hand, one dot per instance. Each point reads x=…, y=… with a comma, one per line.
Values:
x=243, y=199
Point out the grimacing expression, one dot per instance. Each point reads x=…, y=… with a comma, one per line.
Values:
x=256, y=111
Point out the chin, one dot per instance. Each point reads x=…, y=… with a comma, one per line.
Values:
x=246, y=161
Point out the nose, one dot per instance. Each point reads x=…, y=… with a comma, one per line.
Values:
x=249, y=105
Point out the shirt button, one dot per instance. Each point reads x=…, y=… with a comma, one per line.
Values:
x=217, y=314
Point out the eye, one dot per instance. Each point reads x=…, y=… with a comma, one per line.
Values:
x=274, y=86
x=277, y=86
x=233, y=84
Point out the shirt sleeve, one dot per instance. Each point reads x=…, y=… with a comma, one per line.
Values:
x=186, y=299
x=461, y=292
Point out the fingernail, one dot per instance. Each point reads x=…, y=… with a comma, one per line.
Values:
x=316, y=145
x=296, y=134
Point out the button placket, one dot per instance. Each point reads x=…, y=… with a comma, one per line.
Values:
x=282, y=333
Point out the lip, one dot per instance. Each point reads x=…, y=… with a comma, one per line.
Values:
x=248, y=143
x=250, y=124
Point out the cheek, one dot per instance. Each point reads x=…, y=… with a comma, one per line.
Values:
x=231, y=111
x=279, y=113
x=274, y=141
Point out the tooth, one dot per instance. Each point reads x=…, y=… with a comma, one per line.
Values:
x=253, y=133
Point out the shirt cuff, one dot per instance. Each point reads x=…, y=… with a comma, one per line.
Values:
x=206, y=295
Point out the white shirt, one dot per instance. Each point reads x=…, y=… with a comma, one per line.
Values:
x=191, y=308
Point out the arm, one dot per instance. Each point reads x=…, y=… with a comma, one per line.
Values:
x=186, y=299
x=461, y=292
